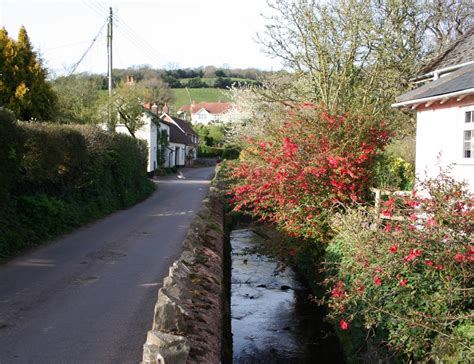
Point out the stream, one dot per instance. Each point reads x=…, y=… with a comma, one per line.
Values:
x=273, y=320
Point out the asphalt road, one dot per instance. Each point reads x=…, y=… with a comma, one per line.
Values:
x=89, y=296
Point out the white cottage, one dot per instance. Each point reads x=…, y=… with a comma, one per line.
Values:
x=445, y=113
x=149, y=133
x=207, y=112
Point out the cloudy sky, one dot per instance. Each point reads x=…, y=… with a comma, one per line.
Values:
x=160, y=33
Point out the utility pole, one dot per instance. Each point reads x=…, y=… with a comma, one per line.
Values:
x=109, y=51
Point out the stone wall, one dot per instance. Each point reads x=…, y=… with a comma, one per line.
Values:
x=189, y=321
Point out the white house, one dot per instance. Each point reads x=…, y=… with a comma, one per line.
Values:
x=207, y=112
x=183, y=139
x=445, y=112
x=149, y=133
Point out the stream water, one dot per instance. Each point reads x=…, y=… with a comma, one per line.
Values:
x=273, y=320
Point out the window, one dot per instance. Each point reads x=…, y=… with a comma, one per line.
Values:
x=468, y=135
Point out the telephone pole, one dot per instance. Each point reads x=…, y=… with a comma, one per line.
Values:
x=109, y=51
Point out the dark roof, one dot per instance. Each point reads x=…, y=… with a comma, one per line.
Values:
x=459, y=52
x=176, y=135
x=460, y=80
x=183, y=124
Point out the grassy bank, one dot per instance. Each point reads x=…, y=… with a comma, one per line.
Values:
x=198, y=95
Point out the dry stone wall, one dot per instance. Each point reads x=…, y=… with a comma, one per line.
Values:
x=188, y=325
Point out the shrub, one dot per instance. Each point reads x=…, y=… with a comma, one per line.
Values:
x=394, y=173
x=231, y=152
x=205, y=151
x=310, y=163
x=409, y=279
x=69, y=175
x=10, y=154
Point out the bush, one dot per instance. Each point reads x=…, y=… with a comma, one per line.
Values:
x=394, y=173
x=409, y=279
x=10, y=154
x=231, y=152
x=305, y=167
x=70, y=175
x=205, y=151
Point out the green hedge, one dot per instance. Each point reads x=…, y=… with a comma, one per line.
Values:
x=55, y=178
x=205, y=151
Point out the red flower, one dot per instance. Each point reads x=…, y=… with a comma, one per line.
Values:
x=471, y=250
x=403, y=282
x=388, y=228
x=459, y=258
x=429, y=263
x=440, y=267
x=343, y=325
x=393, y=248
x=377, y=281
x=361, y=288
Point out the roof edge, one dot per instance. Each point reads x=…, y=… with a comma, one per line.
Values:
x=434, y=98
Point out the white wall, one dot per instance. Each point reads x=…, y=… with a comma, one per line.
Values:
x=439, y=133
x=182, y=154
x=147, y=133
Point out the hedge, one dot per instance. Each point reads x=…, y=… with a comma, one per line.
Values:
x=56, y=177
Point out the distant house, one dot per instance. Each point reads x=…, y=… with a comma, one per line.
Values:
x=149, y=133
x=445, y=112
x=206, y=112
x=181, y=138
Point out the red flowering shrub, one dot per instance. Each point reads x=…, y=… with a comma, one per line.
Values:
x=305, y=167
x=409, y=278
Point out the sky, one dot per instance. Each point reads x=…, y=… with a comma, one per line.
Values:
x=160, y=33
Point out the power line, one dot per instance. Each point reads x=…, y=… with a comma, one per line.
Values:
x=87, y=50
x=135, y=38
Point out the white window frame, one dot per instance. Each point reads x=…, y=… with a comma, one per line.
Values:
x=463, y=127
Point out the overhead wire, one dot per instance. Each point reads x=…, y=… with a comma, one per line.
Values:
x=136, y=39
x=87, y=50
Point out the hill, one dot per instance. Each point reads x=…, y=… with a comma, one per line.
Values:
x=197, y=94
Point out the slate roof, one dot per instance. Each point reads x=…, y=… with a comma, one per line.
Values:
x=210, y=107
x=183, y=124
x=176, y=135
x=462, y=79
x=461, y=51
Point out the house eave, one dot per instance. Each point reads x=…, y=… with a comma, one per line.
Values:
x=430, y=100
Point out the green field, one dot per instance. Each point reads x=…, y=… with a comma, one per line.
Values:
x=197, y=94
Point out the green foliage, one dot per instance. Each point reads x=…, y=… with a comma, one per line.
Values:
x=81, y=99
x=205, y=151
x=231, y=152
x=10, y=154
x=23, y=85
x=408, y=279
x=69, y=175
x=394, y=173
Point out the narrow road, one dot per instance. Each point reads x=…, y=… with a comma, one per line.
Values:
x=89, y=296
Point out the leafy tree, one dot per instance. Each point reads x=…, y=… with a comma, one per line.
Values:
x=220, y=73
x=351, y=54
x=129, y=101
x=80, y=99
x=23, y=85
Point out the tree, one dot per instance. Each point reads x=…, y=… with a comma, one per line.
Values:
x=23, y=85
x=79, y=99
x=129, y=101
x=351, y=54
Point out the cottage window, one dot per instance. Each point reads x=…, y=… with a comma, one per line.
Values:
x=202, y=116
x=468, y=135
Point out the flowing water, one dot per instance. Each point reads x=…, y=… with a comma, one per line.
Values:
x=273, y=320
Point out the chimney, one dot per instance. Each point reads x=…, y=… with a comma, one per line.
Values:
x=154, y=109
x=166, y=108
x=130, y=80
